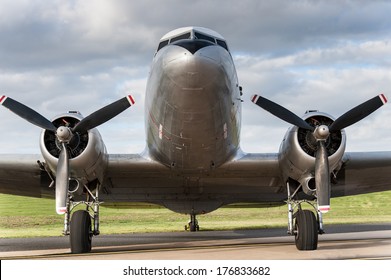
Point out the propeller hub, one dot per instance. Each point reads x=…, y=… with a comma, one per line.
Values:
x=321, y=132
x=64, y=134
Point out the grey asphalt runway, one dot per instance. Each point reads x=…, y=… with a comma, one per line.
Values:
x=339, y=242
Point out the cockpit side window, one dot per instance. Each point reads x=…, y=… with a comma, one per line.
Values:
x=204, y=37
x=162, y=44
x=180, y=37
x=222, y=43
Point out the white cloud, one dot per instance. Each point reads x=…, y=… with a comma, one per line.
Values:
x=62, y=55
x=332, y=79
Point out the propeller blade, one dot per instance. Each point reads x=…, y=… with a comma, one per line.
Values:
x=280, y=112
x=322, y=178
x=104, y=114
x=359, y=112
x=62, y=181
x=26, y=113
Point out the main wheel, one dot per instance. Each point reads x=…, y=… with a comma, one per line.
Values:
x=80, y=232
x=194, y=227
x=306, y=237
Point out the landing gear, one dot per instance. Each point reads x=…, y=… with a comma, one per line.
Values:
x=303, y=224
x=80, y=227
x=306, y=231
x=80, y=232
x=192, y=224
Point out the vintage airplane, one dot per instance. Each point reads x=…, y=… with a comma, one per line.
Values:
x=193, y=163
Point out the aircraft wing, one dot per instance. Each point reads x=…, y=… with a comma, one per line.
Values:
x=363, y=172
x=21, y=175
x=134, y=178
x=251, y=177
x=248, y=178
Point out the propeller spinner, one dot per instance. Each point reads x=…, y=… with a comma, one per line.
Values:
x=65, y=134
x=321, y=134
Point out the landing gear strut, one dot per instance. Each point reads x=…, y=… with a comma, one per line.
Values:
x=79, y=227
x=303, y=224
x=192, y=224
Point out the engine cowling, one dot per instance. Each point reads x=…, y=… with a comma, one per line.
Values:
x=87, y=152
x=298, y=151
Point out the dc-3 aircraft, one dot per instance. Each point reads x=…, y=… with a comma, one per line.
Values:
x=193, y=163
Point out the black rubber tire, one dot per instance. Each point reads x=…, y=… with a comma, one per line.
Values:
x=80, y=232
x=193, y=227
x=306, y=237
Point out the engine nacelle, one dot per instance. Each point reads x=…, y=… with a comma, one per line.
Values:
x=298, y=151
x=87, y=153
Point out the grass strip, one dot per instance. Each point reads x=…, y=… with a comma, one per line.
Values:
x=29, y=217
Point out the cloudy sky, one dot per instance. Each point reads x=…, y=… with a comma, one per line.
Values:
x=62, y=55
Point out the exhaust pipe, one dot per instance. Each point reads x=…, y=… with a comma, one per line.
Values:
x=308, y=184
x=74, y=185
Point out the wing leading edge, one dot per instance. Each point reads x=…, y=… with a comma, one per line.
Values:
x=21, y=175
x=246, y=179
x=252, y=177
x=363, y=172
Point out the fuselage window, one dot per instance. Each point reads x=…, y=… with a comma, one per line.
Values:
x=222, y=44
x=180, y=37
x=204, y=37
x=162, y=44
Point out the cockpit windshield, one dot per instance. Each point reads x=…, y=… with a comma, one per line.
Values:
x=201, y=36
x=195, y=35
x=180, y=37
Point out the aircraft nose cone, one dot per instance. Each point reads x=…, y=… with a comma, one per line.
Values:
x=191, y=71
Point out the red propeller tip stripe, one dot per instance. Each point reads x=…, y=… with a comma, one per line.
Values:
x=131, y=100
x=383, y=98
x=254, y=99
x=61, y=210
x=324, y=208
x=2, y=99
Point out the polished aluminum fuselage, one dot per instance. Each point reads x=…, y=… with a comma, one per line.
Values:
x=193, y=108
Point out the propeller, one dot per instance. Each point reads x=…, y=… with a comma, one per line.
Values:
x=27, y=113
x=280, y=112
x=65, y=134
x=321, y=133
x=322, y=178
x=62, y=180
